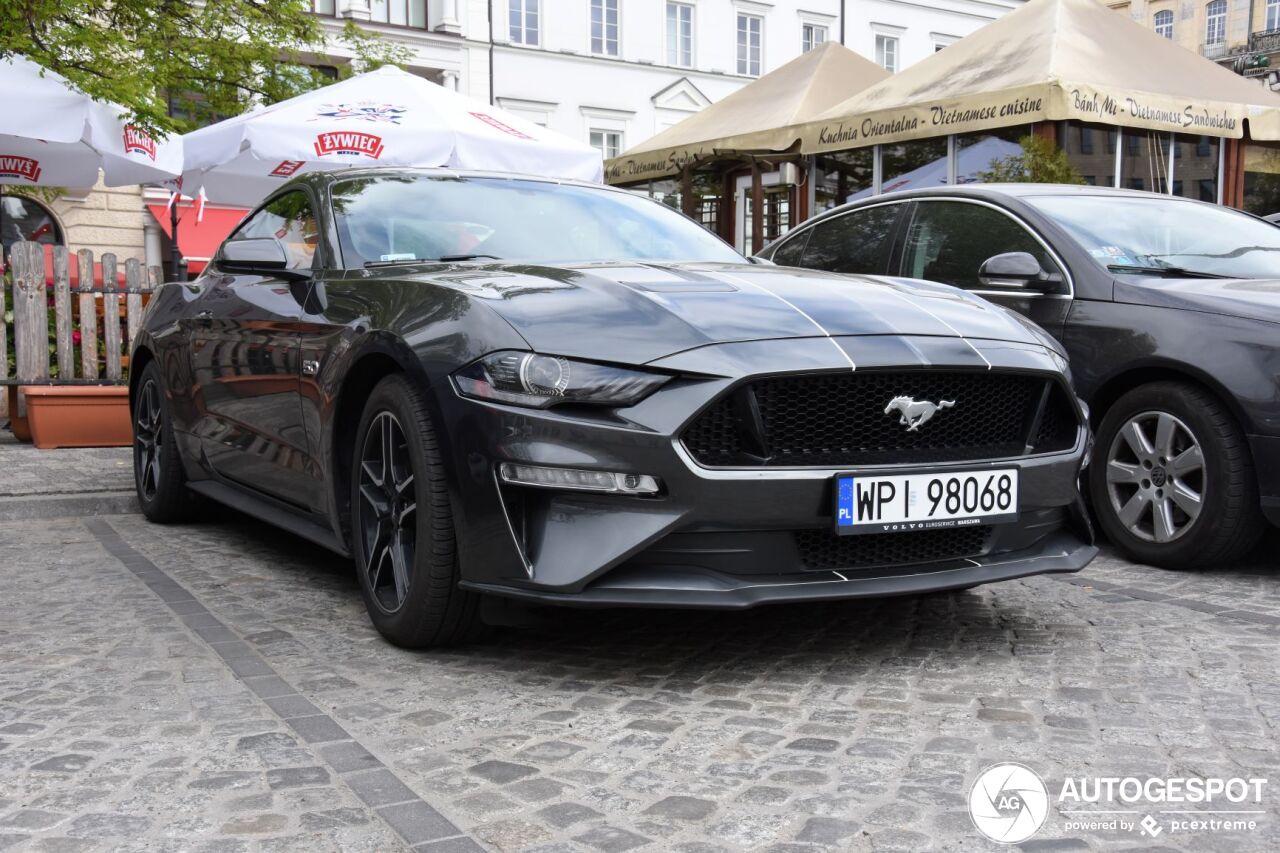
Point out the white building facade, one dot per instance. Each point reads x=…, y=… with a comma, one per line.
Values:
x=610, y=72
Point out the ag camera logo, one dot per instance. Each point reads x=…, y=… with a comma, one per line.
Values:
x=1008, y=803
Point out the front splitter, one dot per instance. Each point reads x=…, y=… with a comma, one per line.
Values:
x=679, y=587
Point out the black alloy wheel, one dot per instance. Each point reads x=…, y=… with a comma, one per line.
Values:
x=387, y=514
x=158, y=475
x=148, y=440
x=402, y=526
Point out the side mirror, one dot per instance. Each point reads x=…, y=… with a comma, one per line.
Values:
x=1017, y=270
x=261, y=255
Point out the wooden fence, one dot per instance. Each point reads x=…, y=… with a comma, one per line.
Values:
x=49, y=308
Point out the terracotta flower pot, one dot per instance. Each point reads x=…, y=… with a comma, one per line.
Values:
x=18, y=424
x=79, y=415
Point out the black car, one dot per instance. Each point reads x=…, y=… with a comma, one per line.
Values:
x=487, y=385
x=1168, y=309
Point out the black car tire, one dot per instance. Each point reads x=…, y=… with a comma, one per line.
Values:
x=432, y=611
x=1229, y=523
x=158, y=476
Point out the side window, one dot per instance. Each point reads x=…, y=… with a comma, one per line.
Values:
x=290, y=220
x=789, y=252
x=856, y=242
x=948, y=241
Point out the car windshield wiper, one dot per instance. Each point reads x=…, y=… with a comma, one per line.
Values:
x=1168, y=272
x=452, y=258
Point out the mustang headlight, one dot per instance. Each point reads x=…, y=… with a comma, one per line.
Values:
x=530, y=379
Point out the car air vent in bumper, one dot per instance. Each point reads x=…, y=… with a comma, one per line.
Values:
x=838, y=420
x=823, y=549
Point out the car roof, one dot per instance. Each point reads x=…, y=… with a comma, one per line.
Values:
x=1023, y=190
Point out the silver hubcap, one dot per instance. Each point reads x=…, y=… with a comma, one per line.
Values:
x=387, y=512
x=148, y=440
x=1156, y=477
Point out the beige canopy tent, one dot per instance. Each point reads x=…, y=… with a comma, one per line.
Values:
x=758, y=117
x=1051, y=60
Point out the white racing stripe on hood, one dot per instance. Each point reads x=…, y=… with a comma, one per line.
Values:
x=742, y=281
x=953, y=329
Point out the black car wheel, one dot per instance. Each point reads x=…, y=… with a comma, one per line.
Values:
x=1171, y=481
x=158, y=476
x=402, y=525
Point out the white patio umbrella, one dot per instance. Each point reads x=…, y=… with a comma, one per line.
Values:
x=385, y=117
x=52, y=134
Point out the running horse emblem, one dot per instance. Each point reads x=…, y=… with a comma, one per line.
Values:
x=916, y=413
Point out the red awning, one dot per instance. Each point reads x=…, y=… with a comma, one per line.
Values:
x=199, y=240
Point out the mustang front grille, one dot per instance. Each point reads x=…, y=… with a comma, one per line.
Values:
x=835, y=420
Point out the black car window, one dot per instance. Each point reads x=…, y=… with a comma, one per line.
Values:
x=290, y=220
x=948, y=241
x=855, y=242
x=790, y=251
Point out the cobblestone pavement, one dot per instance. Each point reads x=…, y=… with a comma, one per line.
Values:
x=218, y=687
x=27, y=471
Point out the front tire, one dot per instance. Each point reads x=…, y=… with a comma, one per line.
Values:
x=158, y=476
x=1172, y=481
x=402, y=525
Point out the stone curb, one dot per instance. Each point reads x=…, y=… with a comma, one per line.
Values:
x=79, y=505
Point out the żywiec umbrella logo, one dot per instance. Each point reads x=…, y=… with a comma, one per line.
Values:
x=137, y=142
x=362, y=111
x=287, y=168
x=349, y=142
x=1008, y=803
x=12, y=166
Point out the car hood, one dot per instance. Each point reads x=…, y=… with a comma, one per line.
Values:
x=640, y=312
x=1250, y=298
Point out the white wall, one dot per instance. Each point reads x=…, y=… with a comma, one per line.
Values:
x=919, y=27
x=560, y=83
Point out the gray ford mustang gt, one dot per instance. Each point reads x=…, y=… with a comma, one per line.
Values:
x=484, y=385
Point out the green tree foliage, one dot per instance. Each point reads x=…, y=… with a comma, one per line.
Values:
x=179, y=64
x=1040, y=162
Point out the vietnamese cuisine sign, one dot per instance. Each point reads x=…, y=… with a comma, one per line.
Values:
x=1053, y=102
x=650, y=165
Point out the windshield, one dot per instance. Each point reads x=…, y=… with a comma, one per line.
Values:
x=390, y=219
x=1160, y=232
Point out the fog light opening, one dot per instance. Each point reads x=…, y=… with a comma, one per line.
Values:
x=578, y=479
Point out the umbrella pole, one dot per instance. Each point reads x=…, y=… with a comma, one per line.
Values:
x=175, y=253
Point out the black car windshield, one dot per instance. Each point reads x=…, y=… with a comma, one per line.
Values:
x=1137, y=235
x=392, y=219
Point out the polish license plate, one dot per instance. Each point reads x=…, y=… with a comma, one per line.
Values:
x=907, y=502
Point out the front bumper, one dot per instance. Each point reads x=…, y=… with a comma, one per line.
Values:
x=1062, y=551
x=723, y=538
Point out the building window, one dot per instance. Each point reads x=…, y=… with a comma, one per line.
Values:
x=523, y=18
x=812, y=35
x=1215, y=27
x=607, y=142
x=324, y=7
x=604, y=27
x=680, y=34
x=401, y=13
x=24, y=218
x=750, y=36
x=1273, y=15
x=1164, y=24
x=887, y=52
